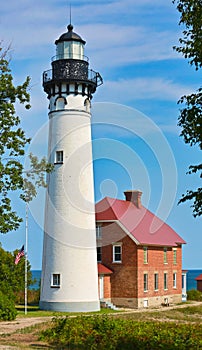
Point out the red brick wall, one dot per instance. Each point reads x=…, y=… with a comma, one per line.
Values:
x=156, y=265
x=107, y=287
x=124, y=277
x=127, y=280
x=199, y=286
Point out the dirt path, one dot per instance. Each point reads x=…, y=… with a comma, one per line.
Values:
x=15, y=332
x=21, y=323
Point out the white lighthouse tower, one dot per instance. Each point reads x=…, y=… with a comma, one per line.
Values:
x=69, y=270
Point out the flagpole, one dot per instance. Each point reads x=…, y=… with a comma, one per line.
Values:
x=26, y=245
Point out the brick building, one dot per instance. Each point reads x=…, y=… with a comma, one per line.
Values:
x=139, y=256
x=199, y=282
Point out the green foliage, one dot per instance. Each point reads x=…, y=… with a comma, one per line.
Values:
x=194, y=295
x=32, y=297
x=114, y=333
x=12, y=142
x=7, y=308
x=191, y=19
x=190, y=118
x=12, y=149
x=12, y=277
x=35, y=177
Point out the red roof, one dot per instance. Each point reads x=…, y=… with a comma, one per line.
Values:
x=103, y=270
x=199, y=278
x=144, y=226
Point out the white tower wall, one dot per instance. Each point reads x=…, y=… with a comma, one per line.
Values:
x=69, y=269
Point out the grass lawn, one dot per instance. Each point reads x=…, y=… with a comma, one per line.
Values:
x=34, y=311
x=28, y=336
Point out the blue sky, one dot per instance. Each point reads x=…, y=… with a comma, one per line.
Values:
x=136, y=141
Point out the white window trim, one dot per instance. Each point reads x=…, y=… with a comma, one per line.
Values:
x=165, y=273
x=145, y=290
x=156, y=289
x=174, y=256
x=56, y=157
x=145, y=257
x=174, y=280
x=165, y=255
x=114, y=246
x=55, y=285
x=98, y=231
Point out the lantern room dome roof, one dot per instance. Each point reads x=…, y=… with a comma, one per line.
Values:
x=70, y=36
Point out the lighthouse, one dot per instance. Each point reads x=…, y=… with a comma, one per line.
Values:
x=69, y=279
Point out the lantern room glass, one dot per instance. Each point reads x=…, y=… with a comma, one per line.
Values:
x=70, y=49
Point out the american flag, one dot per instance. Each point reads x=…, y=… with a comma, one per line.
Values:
x=19, y=255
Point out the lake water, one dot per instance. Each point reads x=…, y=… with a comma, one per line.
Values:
x=191, y=275
x=36, y=274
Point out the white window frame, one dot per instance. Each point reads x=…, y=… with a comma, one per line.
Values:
x=165, y=257
x=174, y=280
x=156, y=281
x=145, y=249
x=165, y=281
x=119, y=245
x=55, y=280
x=175, y=256
x=59, y=157
x=98, y=231
x=183, y=281
x=145, y=281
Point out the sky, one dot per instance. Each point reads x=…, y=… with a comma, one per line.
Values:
x=136, y=141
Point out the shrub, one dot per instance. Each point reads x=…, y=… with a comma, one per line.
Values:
x=194, y=295
x=32, y=297
x=98, y=332
x=7, y=307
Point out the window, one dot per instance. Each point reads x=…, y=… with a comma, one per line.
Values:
x=59, y=157
x=183, y=281
x=174, y=256
x=117, y=253
x=99, y=254
x=98, y=231
x=165, y=281
x=174, y=280
x=145, y=255
x=145, y=282
x=60, y=103
x=156, y=281
x=55, y=280
x=165, y=256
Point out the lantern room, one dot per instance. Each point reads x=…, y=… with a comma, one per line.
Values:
x=70, y=45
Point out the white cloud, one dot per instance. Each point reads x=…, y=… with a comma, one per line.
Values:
x=142, y=89
x=34, y=26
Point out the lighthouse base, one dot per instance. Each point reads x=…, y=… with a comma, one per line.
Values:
x=78, y=306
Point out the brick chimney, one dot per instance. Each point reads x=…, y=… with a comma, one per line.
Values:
x=134, y=196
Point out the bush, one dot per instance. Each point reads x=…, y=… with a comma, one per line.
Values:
x=7, y=307
x=32, y=297
x=98, y=332
x=194, y=295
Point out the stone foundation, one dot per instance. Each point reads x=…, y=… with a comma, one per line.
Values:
x=149, y=302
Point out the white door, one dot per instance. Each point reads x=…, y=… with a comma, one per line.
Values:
x=101, y=284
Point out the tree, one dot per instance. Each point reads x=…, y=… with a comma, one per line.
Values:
x=190, y=119
x=12, y=277
x=12, y=281
x=12, y=149
x=12, y=143
x=34, y=177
